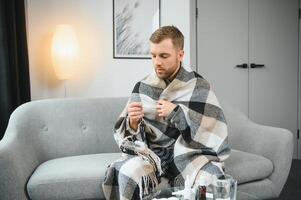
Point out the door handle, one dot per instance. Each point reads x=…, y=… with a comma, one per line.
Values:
x=253, y=65
x=244, y=65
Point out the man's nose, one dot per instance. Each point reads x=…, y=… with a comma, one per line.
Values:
x=157, y=61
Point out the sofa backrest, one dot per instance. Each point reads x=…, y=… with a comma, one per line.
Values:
x=66, y=127
x=76, y=126
x=237, y=122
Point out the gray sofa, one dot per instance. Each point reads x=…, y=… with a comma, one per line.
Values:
x=60, y=148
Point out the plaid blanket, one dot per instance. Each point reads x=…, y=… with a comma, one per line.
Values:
x=190, y=142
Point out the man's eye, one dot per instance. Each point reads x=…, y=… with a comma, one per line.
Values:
x=164, y=56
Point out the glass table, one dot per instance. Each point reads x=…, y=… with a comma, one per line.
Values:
x=167, y=193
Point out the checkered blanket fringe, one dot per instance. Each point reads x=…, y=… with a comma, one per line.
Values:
x=196, y=129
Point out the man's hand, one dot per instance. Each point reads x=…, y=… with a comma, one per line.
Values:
x=164, y=108
x=135, y=112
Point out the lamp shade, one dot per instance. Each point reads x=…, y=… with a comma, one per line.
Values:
x=64, y=51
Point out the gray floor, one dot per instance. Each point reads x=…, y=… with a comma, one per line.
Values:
x=292, y=188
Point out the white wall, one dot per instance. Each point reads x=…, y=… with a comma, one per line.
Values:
x=177, y=12
x=99, y=75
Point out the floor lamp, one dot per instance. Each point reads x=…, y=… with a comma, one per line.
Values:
x=64, y=53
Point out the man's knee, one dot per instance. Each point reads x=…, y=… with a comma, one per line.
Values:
x=137, y=166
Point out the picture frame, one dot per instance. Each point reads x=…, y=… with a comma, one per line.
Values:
x=133, y=23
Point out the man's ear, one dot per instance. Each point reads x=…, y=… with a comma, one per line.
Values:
x=181, y=55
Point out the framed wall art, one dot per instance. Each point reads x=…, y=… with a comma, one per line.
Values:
x=133, y=23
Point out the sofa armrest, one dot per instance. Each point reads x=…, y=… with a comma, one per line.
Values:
x=273, y=143
x=17, y=162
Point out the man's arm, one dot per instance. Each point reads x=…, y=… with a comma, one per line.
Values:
x=197, y=129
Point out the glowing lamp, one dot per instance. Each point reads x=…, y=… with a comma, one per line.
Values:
x=64, y=51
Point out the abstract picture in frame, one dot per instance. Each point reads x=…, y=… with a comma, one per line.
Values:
x=133, y=23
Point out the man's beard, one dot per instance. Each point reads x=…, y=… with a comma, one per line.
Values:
x=163, y=74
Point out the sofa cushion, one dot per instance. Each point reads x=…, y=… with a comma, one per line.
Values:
x=247, y=167
x=76, y=177
x=80, y=177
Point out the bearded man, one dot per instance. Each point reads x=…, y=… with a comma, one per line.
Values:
x=172, y=126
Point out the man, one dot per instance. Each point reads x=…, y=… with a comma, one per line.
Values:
x=172, y=126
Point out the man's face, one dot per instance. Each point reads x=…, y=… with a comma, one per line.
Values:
x=166, y=58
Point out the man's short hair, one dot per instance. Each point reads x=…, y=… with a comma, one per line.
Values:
x=166, y=32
